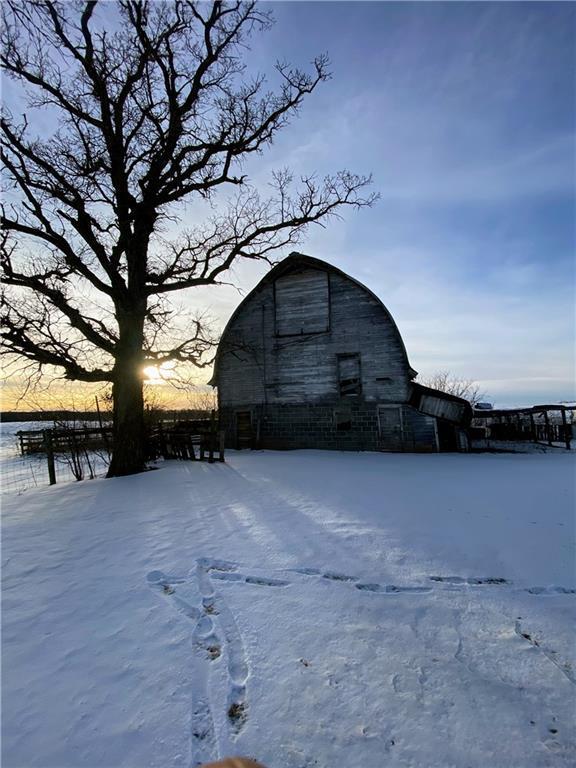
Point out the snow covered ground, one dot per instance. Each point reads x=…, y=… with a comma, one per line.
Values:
x=309, y=609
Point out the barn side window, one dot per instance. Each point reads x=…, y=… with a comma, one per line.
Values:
x=349, y=377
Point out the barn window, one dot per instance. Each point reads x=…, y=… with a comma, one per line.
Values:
x=349, y=378
x=302, y=303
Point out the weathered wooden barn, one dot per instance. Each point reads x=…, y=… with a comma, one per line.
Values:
x=312, y=359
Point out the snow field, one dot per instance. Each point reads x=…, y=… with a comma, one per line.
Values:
x=306, y=609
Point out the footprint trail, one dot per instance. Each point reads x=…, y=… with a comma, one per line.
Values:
x=216, y=635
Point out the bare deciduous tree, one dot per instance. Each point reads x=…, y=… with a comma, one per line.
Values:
x=144, y=106
x=446, y=381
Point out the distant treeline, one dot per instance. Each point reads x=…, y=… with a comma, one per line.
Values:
x=51, y=416
x=158, y=414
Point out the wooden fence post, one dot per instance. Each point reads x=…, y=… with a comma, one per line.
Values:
x=211, y=447
x=567, y=431
x=50, y=456
x=102, y=431
x=548, y=430
x=212, y=437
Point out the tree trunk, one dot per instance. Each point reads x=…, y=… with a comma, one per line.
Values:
x=128, y=447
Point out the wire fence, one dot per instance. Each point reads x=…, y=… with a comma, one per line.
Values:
x=37, y=454
x=19, y=473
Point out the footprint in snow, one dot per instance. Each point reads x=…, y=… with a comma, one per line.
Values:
x=205, y=627
x=226, y=576
x=472, y=581
x=263, y=582
x=335, y=576
x=392, y=589
x=306, y=571
x=156, y=577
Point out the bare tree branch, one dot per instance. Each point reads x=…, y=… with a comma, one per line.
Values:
x=152, y=107
x=445, y=381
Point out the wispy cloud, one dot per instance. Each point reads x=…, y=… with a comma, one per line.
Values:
x=465, y=114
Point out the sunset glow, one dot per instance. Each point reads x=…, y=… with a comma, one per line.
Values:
x=154, y=374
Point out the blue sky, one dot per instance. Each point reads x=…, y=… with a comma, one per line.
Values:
x=465, y=115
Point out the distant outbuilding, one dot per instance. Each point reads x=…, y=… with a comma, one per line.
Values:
x=311, y=358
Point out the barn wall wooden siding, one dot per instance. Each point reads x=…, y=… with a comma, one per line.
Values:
x=283, y=351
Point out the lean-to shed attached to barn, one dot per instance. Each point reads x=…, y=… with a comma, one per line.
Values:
x=312, y=359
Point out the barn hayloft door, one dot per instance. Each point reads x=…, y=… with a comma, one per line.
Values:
x=390, y=428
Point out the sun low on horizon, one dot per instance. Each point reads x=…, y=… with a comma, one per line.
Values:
x=159, y=374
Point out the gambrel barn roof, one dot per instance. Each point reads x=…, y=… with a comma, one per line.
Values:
x=296, y=262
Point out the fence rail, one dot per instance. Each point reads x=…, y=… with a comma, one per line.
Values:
x=538, y=424
x=59, y=440
x=198, y=440
x=193, y=440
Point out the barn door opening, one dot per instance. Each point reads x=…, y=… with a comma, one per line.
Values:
x=390, y=428
x=244, y=433
x=447, y=436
